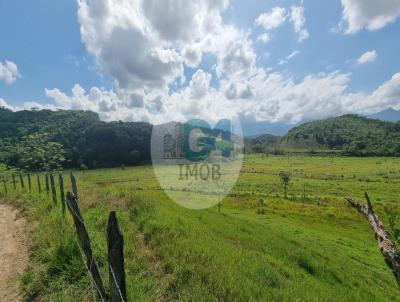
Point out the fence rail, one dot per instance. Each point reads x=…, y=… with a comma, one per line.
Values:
x=115, y=238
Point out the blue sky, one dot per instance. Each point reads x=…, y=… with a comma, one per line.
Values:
x=324, y=49
x=43, y=39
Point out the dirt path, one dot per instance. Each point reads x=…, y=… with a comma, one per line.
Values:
x=13, y=253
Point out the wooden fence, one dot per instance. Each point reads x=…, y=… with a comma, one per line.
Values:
x=115, y=239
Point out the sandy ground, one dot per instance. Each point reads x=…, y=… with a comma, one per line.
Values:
x=13, y=253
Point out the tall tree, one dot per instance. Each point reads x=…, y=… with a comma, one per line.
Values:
x=38, y=153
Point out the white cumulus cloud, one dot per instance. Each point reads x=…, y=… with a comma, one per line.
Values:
x=367, y=57
x=273, y=19
x=299, y=22
x=97, y=99
x=369, y=14
x=263, y=38
x=200, y=83
x=277, y=16
x=4, y=104
x=9, y=72
x=261, y=96
x=146, y=45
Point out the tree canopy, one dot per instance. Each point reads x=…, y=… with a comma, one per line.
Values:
x=41, y=140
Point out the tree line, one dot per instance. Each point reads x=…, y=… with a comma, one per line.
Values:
x=40, y=140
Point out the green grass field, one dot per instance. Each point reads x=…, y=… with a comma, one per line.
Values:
x=309, y=247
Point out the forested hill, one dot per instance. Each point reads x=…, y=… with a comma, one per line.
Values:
x=40, y=140
x=351, y=134
x=29, y=138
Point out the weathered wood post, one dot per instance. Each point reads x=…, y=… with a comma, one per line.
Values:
x=91, y=263
x=39, y=185
x=21, y=179
x=74, y=186
x=29, y=182
x=47, y=184
x=115, y=241
x=5, y=184
x=386, y=245
x=53, y=188
x=61, y=181
x=14, y=182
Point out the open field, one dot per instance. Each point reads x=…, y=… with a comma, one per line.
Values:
x=309, y=247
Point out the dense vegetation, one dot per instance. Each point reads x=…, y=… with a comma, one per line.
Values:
x=348, y=135
x=41, y=140
x=355, y=135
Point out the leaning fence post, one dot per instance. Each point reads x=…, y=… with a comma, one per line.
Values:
x=61, y=181
x=5, y=184
x=74, y=186
x=21, y=178
x=14, y=183
x=115, y=241
x=73, y=207
x=47, y=184
x=386, y=244
x=29, y=183
x=38, y=182
x=53, y=188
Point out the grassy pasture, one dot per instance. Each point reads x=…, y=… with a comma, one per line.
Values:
x=311, y=247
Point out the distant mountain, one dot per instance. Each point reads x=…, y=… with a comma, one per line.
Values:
x=389, y=115
x=351, y=134
x=253, y=128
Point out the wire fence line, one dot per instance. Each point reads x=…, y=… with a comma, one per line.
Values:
x=92, y=282
x=115, y=241
x=115, y=280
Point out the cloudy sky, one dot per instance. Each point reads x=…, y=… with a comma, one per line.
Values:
x=161, y=60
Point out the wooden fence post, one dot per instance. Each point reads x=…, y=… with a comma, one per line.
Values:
x=115, y=241
x=29, y=182
x=74, y=186
x=47, y=184
x=39, y=185
x=5, y=184
x=73, y=207
x=21, y=178
x=53, y=188
x=14, y=183
x=61, y=181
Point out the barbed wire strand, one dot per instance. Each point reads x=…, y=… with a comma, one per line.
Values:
x=93, y=291
x=82, y=253
x=119, y=290
x=90, y=274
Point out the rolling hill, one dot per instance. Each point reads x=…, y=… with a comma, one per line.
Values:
x=351, y=134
